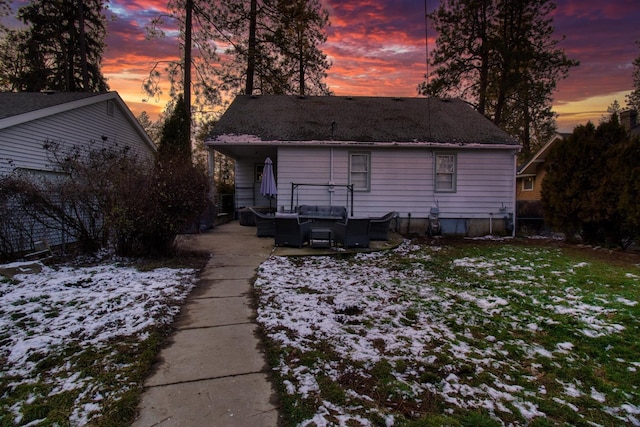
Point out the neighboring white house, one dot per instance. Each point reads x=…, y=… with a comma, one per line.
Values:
x=410, y=155
x=28, y=120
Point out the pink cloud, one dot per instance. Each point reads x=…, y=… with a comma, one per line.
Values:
x=378, y=47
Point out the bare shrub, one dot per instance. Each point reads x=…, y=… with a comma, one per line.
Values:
x=105, y=197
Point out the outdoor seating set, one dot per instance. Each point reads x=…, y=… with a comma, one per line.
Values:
x=322, y=226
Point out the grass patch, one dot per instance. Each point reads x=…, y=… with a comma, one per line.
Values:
x=79, y=340
x=481, y=335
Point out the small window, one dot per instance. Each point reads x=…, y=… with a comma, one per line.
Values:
x=445, y=172
x=527, y=183
x=359, y=173
x=258, y=169
x=110, y=108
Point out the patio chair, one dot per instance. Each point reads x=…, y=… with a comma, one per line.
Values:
x=265, y=224
x=379, y=227
x=352, y=233
x=291, y=232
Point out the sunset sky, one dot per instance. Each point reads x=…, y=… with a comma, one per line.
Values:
x=378, y=48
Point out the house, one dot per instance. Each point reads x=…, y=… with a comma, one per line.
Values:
x=529, y=189
x=28, y=120
x=420, y=157
x=530, y=174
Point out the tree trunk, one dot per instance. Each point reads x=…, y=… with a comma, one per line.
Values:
x=83, y=47
x=187, y=67
x=251, y=56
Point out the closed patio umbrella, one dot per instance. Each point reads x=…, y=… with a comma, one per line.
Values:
x=268, y=186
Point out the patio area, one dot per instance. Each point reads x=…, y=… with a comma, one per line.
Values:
x=394, y=241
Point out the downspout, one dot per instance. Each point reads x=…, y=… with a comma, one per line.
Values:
x=513, y=191
x=490, y=223
x=212, y=181
x=331, y=176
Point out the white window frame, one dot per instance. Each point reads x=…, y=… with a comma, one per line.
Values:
x=440, y=185
x=366, y=173
x=528, y=179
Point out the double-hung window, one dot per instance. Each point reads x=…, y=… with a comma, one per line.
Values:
x=445, y=172
x=527, y=183
x=359, y=171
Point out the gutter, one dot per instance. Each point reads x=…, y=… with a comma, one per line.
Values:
x=248, y=140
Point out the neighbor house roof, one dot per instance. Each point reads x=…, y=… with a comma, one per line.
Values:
x=22, y=107
x=323, y=119
x=530, y=168
x=17, y=103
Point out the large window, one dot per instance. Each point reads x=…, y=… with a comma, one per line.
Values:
x=445, y=169
x=359, y=171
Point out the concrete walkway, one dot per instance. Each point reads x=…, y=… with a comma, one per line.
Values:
x=213, y=373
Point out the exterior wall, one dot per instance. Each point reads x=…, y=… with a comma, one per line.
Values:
x=536, y=193
x=247, y=187
x=402, y=180
x=21, y=147
x=22, y=144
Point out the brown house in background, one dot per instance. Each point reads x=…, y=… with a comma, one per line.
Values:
x=529, y=179
x=530, y=175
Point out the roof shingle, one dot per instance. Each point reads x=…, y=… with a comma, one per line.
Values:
x=359, y=119
x=16, y=103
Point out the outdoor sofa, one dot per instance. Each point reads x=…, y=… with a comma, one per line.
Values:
x=320, y=211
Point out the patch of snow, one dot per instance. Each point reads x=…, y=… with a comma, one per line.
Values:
x=597, y=396
x=626, y=302
x=44, y=313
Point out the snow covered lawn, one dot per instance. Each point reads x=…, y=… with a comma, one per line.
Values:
x=474, y=335
x=72, y=338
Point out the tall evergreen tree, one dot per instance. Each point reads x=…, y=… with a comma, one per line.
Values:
x=297, y=36
x=633, y=99
x=175, y=143
x=500, y=55
x=242, y=46
x=589, y=183
x=61, y=47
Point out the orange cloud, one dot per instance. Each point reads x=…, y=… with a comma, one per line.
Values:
x=378, y=48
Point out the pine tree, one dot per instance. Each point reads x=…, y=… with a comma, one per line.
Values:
x=278, y=52
x=61, y=47
x=589, y=184
x=633, y=99
x=500, y=55
x=175, y=143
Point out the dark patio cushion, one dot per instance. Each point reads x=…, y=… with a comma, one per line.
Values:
x=319, y=211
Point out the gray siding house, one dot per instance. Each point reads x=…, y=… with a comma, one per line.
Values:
x=28, y=120
x=415, y=156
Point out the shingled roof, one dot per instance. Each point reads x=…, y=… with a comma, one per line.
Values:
x=16, y=103
x=355, y=119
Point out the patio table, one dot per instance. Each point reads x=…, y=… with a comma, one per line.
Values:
x=321, y=237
